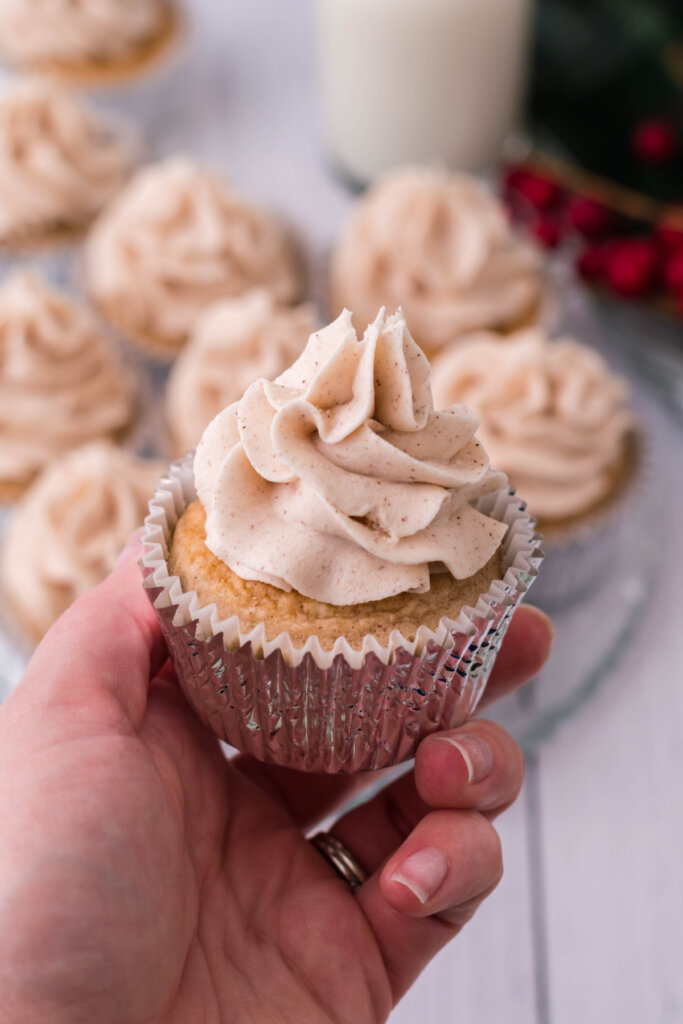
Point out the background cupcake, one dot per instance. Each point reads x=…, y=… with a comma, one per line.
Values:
x=439, y=245
x=60, y=162
x=348, y=552
x=235, y=342
x=87, y=41
x=60, y=383
x=69, y=529
x=558, y=423
x=176, y=240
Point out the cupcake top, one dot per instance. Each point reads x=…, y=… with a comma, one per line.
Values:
x=340, y=481
x=60, y=384
x=177, y=240
x=45, y=32
x=70, y=528
x=59, y=161
x=439, y=245
x=235, y=342
x=552, y=416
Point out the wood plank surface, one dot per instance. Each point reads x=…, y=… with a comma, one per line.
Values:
x=487, y=972
x=611, y=795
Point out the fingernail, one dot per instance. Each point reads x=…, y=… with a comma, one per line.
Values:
x=422, y=872
x=475, y=752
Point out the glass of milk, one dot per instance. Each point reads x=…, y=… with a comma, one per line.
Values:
x=420, y=81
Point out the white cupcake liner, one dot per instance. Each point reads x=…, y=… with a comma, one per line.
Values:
x=339, y=710
x=580, y=559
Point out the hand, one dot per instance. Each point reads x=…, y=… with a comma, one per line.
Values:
x=144, y=878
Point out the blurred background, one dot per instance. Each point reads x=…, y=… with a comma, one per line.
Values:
x=571, y=113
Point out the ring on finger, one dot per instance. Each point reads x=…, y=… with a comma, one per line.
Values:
x=349, y=869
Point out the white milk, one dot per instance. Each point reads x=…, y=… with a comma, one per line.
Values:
x=420, y=80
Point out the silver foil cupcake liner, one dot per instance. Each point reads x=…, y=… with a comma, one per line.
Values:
x=339, y=710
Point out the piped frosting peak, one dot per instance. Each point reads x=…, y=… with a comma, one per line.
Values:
x=339, y=479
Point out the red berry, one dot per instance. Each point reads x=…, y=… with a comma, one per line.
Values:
x=672, y=273
x=655, y=142
x=670, y=234
x=631, y=267
x=592, y=263
x=590, y=218
x=512, y=177
x=540, y=192
x=547, y=232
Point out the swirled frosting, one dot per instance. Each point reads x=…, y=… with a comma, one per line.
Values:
x=552, y=415
x=60, y=162
x=177, y=240
x=439, y=245
x=71, y=526
x=60, y=384
x=44, y=31
x=236, y=341
x=340, y=481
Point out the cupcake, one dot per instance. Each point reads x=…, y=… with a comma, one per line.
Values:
x=89, y=41
x=558, y=423
x=440, y=246
x=175, y=241
x=235, y=342
x=60, y=384
x=70, y=527
x=338, y=564
x=60, y=162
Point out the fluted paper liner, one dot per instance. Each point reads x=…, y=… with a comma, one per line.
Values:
x=338, y=710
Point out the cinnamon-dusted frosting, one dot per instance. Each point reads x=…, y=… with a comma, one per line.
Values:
x=70, y=528
x=60, y=384
x=60, y=161
x=78, y=31
x=177, y=240
x=235, y=342
x=552, y=415
x=339, y=480
x=439, y=245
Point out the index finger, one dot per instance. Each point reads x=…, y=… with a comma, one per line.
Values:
x=108, y=644
x=523, y=653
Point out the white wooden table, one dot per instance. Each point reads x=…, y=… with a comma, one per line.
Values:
x=587, y=925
